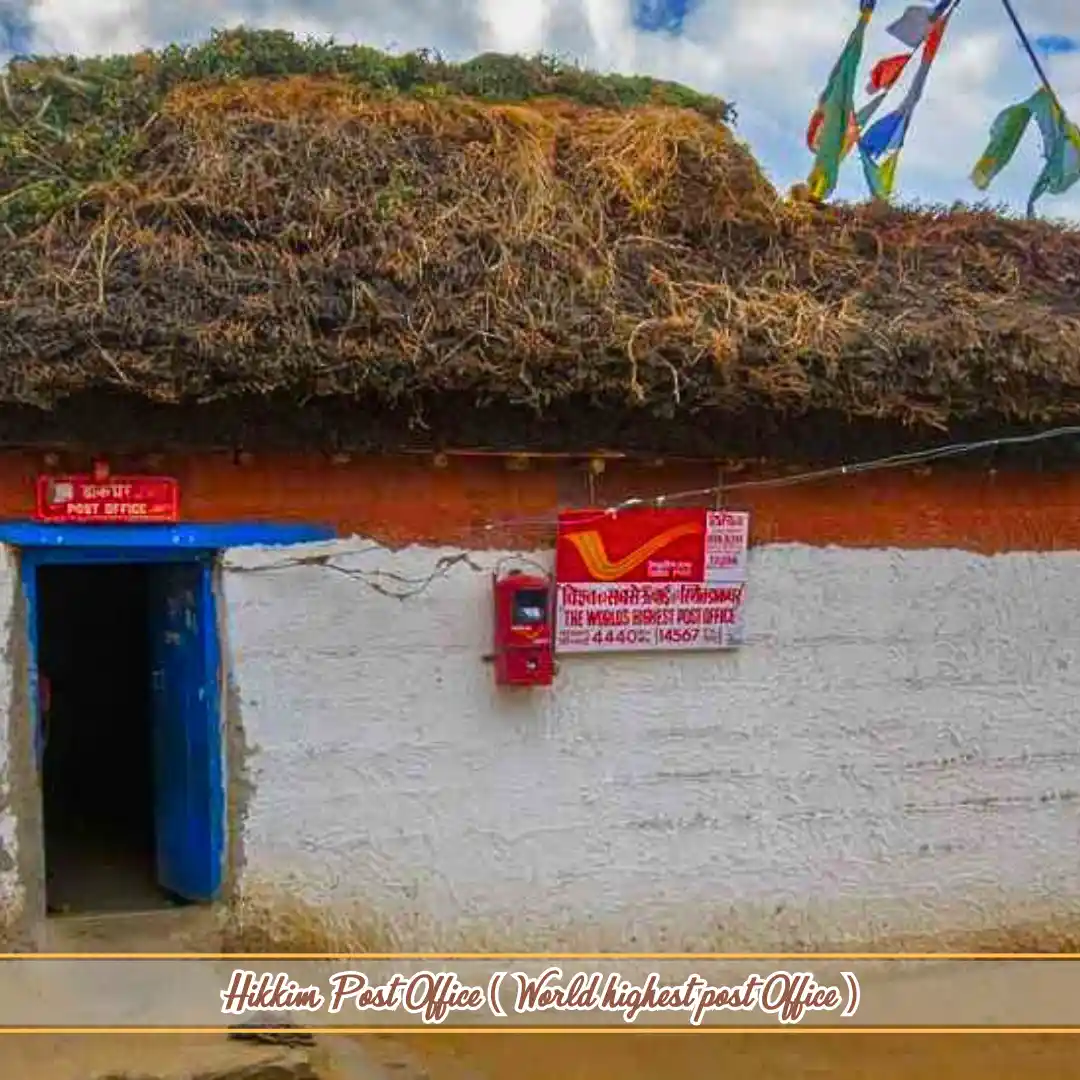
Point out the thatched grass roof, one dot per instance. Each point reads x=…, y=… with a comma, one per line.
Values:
x=504, y=251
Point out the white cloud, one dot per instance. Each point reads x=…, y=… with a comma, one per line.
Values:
x=771, y=57
x=513, y=27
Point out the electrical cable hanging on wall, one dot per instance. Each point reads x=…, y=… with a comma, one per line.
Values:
x=401, y=587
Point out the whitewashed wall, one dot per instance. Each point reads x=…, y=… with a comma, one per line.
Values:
x=11, y=892
x=895, y=751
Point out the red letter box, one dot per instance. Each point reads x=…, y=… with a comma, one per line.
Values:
x=524, y=645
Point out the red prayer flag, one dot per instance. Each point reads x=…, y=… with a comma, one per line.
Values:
x=933, y=39
x=886, y=72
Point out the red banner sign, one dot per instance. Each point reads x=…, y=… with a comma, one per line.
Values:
x=650, y=579
x=115, y=500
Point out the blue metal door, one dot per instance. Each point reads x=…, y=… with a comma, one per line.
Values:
x=190, y=796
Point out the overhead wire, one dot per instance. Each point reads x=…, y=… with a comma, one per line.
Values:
x=890, y=462
x=402, y=587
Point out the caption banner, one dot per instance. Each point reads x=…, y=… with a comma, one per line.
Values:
x=600, y=992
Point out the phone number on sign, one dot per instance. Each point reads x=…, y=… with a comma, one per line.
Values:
x=684, y=635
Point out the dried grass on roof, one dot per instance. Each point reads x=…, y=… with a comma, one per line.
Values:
x=314, y=235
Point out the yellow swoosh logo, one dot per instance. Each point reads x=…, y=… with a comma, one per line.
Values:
x=590, y=547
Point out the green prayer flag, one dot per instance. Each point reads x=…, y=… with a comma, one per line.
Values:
x=1005, y=134
x=837, y=106
x=1061, y=149
x=1061, y=146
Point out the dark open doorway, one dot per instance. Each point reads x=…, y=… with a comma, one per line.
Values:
x=123, y=630
x=95, y=661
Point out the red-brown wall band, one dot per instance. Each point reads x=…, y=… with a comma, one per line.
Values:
x=486, y=502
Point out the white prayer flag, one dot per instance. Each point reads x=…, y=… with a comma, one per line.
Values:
x=913, y=26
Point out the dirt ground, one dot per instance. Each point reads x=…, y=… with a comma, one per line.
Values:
x=582, y=1057
x=746, y=1057
x=794, y=1055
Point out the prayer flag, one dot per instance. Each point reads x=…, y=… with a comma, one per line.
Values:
x=831, y=126
x=1005, y=134
x=886, y=73
x=1061, y=146
x=913, y=26
x=1061, y=149
x=881, y=145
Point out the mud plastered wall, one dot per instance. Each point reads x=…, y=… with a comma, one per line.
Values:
x=11, y=893
x=893, y=753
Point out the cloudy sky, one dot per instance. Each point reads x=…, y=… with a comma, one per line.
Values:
x=771, y=57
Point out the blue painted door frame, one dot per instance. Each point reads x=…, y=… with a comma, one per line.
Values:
x=190, y=796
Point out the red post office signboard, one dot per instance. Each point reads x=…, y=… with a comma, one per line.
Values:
x=650, y=579
x=114, y=500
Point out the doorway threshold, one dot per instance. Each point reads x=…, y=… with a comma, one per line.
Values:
x=193, y=929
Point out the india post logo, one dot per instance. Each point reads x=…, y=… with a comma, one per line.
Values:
x=590, y=546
